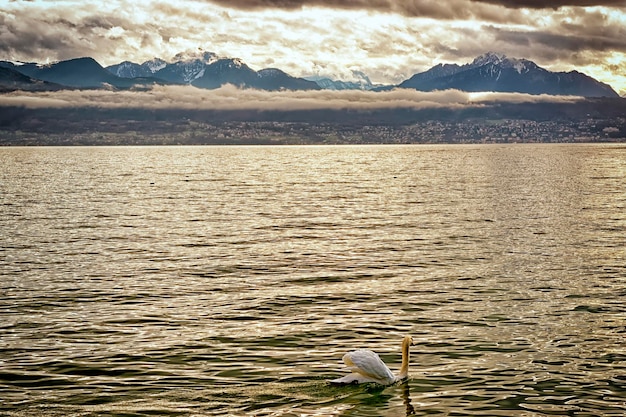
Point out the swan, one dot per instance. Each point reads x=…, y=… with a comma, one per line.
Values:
x=366, y=366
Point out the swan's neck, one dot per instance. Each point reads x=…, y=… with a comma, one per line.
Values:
x=404, y=369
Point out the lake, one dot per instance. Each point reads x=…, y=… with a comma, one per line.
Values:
x=201, y=281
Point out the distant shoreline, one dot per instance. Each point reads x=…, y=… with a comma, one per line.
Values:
x=586, y=121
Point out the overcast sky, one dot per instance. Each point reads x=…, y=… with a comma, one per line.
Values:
x=389, y=40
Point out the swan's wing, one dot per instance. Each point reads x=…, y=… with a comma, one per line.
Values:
x=369, y=365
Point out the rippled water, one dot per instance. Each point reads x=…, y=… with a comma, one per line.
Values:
x=231, y=280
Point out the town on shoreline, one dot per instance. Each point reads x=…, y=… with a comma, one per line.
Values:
x=300, y=133
x=591, y=120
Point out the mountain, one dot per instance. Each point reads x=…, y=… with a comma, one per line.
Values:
x=11, y=80
x=206, y=70
x=362, y=82
x=497, y=72
x=182, y=72
x=79, y=72
x=235, y=72
x=488, y=72
x=129, y=69
x=226, y=71
x=184, y=68
x=273, y=79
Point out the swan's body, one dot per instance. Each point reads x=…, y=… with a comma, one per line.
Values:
x=366, y=366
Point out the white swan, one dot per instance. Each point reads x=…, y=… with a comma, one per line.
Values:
x=366, y=366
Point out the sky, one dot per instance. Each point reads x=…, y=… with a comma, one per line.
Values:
x=388, y=40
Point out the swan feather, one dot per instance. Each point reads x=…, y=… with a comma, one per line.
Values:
x=368, y=365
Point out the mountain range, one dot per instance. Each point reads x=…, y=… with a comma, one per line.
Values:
x=497, y=72
x=488, y=72
x=75, y=73
x=362, y=82
x=207, y=70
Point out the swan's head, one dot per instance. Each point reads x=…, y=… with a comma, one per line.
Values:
x=408, y=340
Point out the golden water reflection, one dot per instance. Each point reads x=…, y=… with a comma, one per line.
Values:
x=230, y=281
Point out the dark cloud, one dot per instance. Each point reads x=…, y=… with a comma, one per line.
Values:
x=555, y=4
x=441, y=9
x=496, y=11
x=446, y=10
x=36, y=34
x=566, y=38
x=296, y=4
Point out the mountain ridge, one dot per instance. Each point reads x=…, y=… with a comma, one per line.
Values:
x=487, y=72
x=11, y=80
x=207, y=70
x=83, y=72
x=499, y=73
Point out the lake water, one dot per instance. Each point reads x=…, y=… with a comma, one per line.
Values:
x=200, y=281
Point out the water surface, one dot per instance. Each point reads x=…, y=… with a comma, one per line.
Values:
x=230, y=280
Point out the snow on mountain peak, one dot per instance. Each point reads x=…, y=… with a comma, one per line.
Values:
x=519, y=66
x=190, y=56
x=362, y=79
x=489, y=58
x=501, y=60
x=155, y=64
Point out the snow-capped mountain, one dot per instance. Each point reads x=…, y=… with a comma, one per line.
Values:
x=361, y=82
x=129, y=69
x=488, y=72
x=184, y=68
x=497, y=72
x=154, y=65
x=495, y=59
x=236, y=72
x=226, y=71
x=78, y=72
x=207, y=70
x=191, y=68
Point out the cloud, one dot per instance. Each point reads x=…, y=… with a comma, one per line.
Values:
x=437, y=9
x=565, y=43
x=411, y=7
x=389, y=40
x=63, y=33
x=554, y=4
x=32, y=101
x=231, y=98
